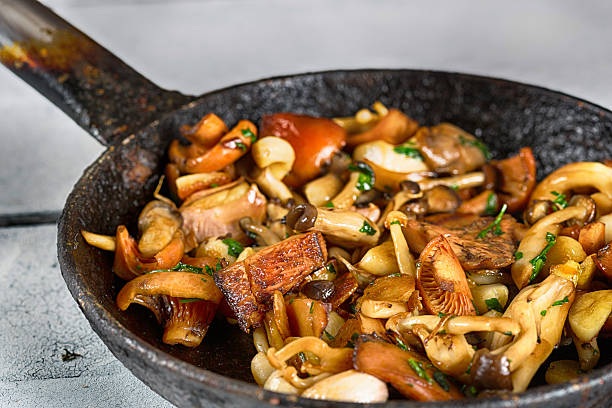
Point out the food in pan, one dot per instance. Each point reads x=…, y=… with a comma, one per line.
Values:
x=370, y=253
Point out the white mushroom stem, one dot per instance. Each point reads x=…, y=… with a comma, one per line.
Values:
x=347, y=196
x=455, y=325
x=405, y=261
x=349, y=386
x=320, y=191
x=534, y=242
x=104, y=242
x=450, y=353
x=275, y=157
x=467, y=180
x=572, y=176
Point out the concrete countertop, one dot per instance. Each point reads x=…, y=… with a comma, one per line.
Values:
x=198, y=46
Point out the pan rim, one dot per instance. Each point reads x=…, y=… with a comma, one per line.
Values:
x=103, y=323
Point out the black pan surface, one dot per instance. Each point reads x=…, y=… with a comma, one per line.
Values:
x=506, y=115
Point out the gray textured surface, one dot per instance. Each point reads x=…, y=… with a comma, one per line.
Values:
x=200, y=46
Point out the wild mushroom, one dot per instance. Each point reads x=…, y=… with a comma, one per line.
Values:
x=405, y=261
x=157, y=223
x=314, y=141
x=354, y=327
x=184, y=302
x=360, y=180
x=442, y=199
x=320, y=191
x=410, y=373
x=274, y=157
x=441, y=280
x=587, y=316
x=341, y=227
x=206, y=132
x=307, y=317
x=190, y=183
x=331, y=360
x=248, y=285
x=562, y=371
x=349, y=386
x=261, y=368
x=394, y=127
x=490, y=297
x=485, y=203
x=380, y=260
x=409, y=191
x=388, y=296
x=449, y=149
x=263, y=235
x=575, y=176
x=129, y=262
x=218, y=214
x=389, y=181
x=592, y=237
x=590, y=210
x=467, y=180
x=364, y=119
x=104, y=242
x=398, y=159
x=538, y=209
x=516, y=179
x=537, y=242
x=228, y=149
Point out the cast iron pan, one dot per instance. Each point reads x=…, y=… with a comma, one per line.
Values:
x=137, y=120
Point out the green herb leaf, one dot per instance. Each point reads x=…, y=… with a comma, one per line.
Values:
x=441, y=315
x=560, y=201
x=441, y=380
x=329, y=336
x=491, y=204
x=181, y=267
x=396, y=274
x=365, y=182
x=560, y=302
x=247, y=132
x=493, y=304
x=401, y=344
x=367, y=229
x=354, y=336
x=518, y=255
x=418, y=368
x=543, y=312
x=475, y=308
x=395, y=222
x=242, y=146
x=209, y=270
x=408, y=150
x=188, y=300
x=311, y=306
x=454, y=187
x=495, y=224
x=508, y=333
x=330, y=268
x=329, y=205
x=302, y=356
x=213, y=185
x=476, y=143
x=234, y=248
x=540, y=259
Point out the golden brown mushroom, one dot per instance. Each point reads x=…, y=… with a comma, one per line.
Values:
x=157, y=223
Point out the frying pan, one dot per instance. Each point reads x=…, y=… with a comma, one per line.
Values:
x=137, y=120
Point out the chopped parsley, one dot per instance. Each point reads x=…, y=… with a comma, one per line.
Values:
x=493, y=304
x=417, y=366
x=247, y=132
x=367, y=229
x=189, y=300
x=560, y=201
x=441, y=380
x=475, y=308
x=395, y=222
x=491, y=204
x=476, y=143
x=365, y=182
x=560, y=302
x=408, y=150
x=311, y=307
x=242, y=146
x=302, y=356
x=508, y=333
x=543, y=312
x=234, y=248
x=210, y=270
x=181, y=267
x=518, y=255
x=394, y=275
x=330, y=268
x=329, y=205
x=495, y=224
x=401, y=344
x=540, y=259
x=454, y=187
x=441, y=315
x=213, y=185
x=329, y=336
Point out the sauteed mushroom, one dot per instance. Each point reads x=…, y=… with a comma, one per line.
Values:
x=349, y=386
x=157, y=223
x=573, y=176
x=398, y=159
x=516, y=179
x=275, y=157
x=394, y=127
x=206, y=132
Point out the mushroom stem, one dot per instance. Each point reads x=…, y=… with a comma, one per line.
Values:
x=347, y=196
x=104, y=242
x=475, y=179
x=262, y=232
x=341, y=227
x=405, y=261
x=572, y=176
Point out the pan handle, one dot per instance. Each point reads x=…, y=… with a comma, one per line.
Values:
x=96, y=89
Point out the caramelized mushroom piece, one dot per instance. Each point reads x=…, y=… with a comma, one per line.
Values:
x=441, y=280
x=157, y=223
x=603, y=260
x=575, y=176
x=349, y=386
x=485, y=203
x=517, y=179
x=184, y=302
x=274, y=157
x=390, y=181
x=190, y=183
x=442, y=199
x=341, y=227
x=397, y=159
x=592, y=237
x=590, y=210
x=410, y=373
x=218, y=214
x=394, y=128
x=388, y=296
x=307, y=317
x=536, y=210
x=320, y=191
x=206, y=132
x=314, y=140
x=331, y=360
x=248, y=285
x=449, y=149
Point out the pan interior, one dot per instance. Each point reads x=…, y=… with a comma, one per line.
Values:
x=505, y=115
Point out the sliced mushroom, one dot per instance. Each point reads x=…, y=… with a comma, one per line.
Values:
x=229, y=148
x=388, y=296
x=574, y=176
x=320, y=191
x=184, y=302
x=314, y=141
x=275, y=157
x=307, y=317
x=397, y=159
x=395, y=221
x=517, y=179
x=394, y=127
x=364, y=119
x=261, y=368
x=218, y=214
x=589, y=313
x=442, y=199
x=390, y=181
x=592, y=237
x=410, y=373
x=361, y=180
x=349, y=386
x=380, y=260
x=104, y=242
x=263, y=235
x=129, y=262
x=341, y=227
x=157, y=223
x=190, y=183
x=449, y=149
x=331, y=360
x=441, y=280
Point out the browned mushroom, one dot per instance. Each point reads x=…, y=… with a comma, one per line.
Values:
x=249, y=284
x=441, y=280
x=219, y=213
x=442, y=199
x=517, y=179
x=206, y=132
x=410, y=373
x=157, y=223
x=394, y=128
x=449, y=149
x=485, y=203
x=573, y=176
